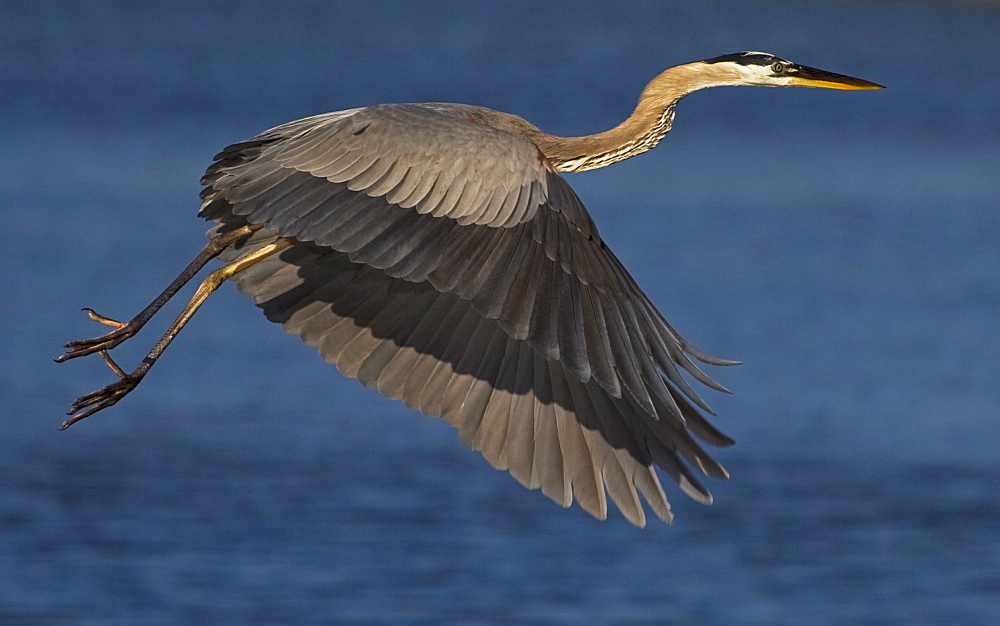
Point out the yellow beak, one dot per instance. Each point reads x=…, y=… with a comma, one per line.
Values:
x=812, y=77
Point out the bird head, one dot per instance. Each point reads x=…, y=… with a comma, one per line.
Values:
x=766, y=70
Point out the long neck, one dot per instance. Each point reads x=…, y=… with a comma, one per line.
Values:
x=647, y=125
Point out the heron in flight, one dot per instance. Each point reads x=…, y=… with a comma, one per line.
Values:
x=435, y=253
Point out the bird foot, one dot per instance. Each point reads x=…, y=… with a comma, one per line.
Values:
x=91, y=403
x=121, y=332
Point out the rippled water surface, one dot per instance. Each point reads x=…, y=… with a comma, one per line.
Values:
x=844, y=245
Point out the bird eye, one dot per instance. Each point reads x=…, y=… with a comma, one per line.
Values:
x=778, y=68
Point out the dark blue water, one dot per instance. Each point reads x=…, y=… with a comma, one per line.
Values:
x=846, y=246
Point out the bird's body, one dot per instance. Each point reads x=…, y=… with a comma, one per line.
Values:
x=496, y=306
x=435, y=252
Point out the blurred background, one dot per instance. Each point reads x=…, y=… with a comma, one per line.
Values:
x=844, y=245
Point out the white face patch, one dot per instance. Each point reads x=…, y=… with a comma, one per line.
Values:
x=751, y=68
x=763, y=75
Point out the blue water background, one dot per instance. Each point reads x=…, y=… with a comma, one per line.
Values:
x=844, y=245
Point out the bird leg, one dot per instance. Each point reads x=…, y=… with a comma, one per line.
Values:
x=123, y=331
x=91, y=403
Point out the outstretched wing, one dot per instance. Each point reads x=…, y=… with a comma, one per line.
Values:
x=494, y=280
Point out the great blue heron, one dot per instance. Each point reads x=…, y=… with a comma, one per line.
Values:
x=434, y=252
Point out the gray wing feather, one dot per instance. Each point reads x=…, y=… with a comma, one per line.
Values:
x=434, y=351
x=521, y=268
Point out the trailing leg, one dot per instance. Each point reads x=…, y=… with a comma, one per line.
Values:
x=123, y=331
x=91, y=403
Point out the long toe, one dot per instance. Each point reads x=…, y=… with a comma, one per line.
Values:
x=83, y=347
x=107, y=321
x=88, y=404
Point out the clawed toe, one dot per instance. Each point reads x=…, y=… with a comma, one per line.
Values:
x=107, y=321
x=91, y=403
x=87, y=405
x=121, y=332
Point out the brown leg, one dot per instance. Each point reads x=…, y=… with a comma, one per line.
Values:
x=125, y=330
x=87, y=405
